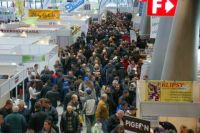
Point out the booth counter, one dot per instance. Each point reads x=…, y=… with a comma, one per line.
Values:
x=173, y=101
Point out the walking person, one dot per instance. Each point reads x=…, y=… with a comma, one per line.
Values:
x=69, y=121
x=102, y=112
x=33, y=95
x=16, y=121
x=89, y=109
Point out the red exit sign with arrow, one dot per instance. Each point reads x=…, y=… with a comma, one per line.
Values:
x=161, y=7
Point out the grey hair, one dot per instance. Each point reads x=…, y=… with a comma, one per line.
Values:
x=15, y=108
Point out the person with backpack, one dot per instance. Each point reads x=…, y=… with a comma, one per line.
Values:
x=89, y=109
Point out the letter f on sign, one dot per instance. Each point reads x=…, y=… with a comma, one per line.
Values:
x=156, y=5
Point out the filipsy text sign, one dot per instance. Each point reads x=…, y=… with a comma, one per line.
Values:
x=73, y=5
x=44, y=14
x=135, y=125
x=161, y=7
x=169, y=91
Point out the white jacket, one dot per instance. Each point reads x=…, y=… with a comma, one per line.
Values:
x=89, y=107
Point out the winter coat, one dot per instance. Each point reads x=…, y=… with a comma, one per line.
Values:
x=113, y=122
x=16, y=122
x=102, y=111
x=89, y=106
x=52, y=114
x=53, y=96
x=75, y=122
x=37, y=120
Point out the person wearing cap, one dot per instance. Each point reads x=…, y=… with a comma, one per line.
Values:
x=123, y=105
x=84, y=84
x=89, y=109
x=16, y=121
x=115, y=120
x=87, y=83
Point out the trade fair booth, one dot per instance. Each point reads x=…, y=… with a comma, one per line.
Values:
x=176, y=102
x=11, y=76
x=27, y=51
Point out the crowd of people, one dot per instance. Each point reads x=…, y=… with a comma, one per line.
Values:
x=95, y=78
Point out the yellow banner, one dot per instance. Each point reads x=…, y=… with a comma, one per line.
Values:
x=19, y=7
x=44, y=14
x=169, y=91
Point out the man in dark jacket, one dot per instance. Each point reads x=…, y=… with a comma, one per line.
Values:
x=4, y=127
x=51, y=111
x=69, y=121
x=115, y=120
x=37, y=119
x=53, y=96
x=16, y=121
x=24, y=111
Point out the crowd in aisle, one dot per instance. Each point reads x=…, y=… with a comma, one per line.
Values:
x=94, y=81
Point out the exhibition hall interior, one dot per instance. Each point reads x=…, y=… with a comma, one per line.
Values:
x=99, y=66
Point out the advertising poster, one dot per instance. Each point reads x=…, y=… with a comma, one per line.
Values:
x=44, y=14
x=169, y=91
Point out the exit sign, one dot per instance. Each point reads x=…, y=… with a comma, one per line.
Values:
x=161, y=7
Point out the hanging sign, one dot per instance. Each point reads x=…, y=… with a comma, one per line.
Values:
x=161, y=7
x=73, y=5
x=44, y=14
x=135, y=125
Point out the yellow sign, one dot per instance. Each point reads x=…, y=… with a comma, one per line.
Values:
x=44, y=14
x=19, y=7
x=169, y=91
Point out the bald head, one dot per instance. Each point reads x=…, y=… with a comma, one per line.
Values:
x=69, y=109
x=15, y=109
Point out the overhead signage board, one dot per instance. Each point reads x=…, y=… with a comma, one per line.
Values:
x=135, y=125
x=44, y=14
x=71, y=6
x=161, y=7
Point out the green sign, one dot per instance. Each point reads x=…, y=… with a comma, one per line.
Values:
x=27, y=58
x=30, y=20
x=41, y=58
